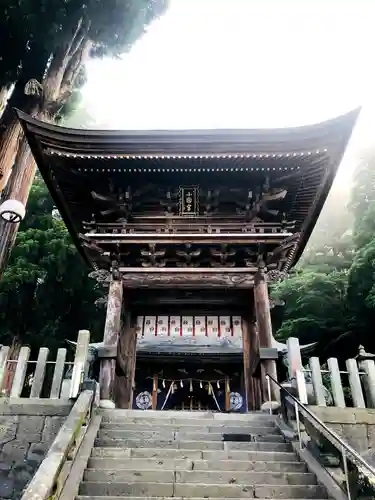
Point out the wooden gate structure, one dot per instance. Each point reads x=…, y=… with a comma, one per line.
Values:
x=189, y=224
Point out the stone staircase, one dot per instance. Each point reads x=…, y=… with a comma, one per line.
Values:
x=182, y=454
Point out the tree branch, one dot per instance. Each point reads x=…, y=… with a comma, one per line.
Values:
x=75, y=66
x=56, y=71
x=75, y=35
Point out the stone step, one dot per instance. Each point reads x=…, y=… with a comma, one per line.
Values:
x=257, y=427
x=199, y=422
x=142, y=418
x=139, y=489
x=251, y=456
x=199, y=477
x=192, y=445
x=183, y=416
x=197, y=465
x=289, y=492
x=274, y=437
x=81, y=497
x=249, y=478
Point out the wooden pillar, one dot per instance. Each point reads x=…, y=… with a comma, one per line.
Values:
x=263, y=317
x=250, y=349
x=110, y=339
x=155, y=392
x=246, y=364
x=257, y=385
x=126, y=363
x=250, y=355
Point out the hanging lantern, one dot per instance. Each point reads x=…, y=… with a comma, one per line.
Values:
x=163, y=384
x=218, y=384
x=181, y=383
x=200, y=384
x=12, y=211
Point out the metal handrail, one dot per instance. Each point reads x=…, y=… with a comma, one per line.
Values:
x=333, y=434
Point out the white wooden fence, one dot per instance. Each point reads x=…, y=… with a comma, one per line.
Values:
x=28, y=378
x=353, y=387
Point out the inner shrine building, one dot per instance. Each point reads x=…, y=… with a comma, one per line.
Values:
x=188, y=229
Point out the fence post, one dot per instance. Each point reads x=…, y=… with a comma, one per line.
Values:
x=80, y=361
x=296, y=368
x=355, y=383
x=19, y=376
x=368, y=366
x=337, y=391
x=316, y=376
x=58, y=374
x=4, y=351
x=39, y=374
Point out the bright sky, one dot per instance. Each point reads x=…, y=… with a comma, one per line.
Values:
x=240, y=63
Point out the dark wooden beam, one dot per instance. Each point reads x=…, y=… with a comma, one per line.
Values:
x=246, y=334
x=188, y=270
x=110, y=339
x=182, y=238
x=126, y=363
x=217, y=279
x=264, y=324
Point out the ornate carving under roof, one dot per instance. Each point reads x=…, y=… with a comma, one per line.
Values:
x=190, y=208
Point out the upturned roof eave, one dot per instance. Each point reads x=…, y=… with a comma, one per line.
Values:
x=281, y=141
x=333, y=134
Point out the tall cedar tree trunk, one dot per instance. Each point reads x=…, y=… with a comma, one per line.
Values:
x=10, y=128
x=18, y=188
x=57, y=86
x=9, y=138
x=4, y=96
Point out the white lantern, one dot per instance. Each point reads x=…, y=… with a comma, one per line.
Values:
x=12, y=211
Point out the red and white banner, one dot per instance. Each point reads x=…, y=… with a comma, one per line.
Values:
x=212, y=326
x=175, y=326
x=139, y=327
x=149, y=327
x=200, y=329
x=237, y=326
x=162, y=328
x=189, y=326
x=225, y=329
x=187, y=329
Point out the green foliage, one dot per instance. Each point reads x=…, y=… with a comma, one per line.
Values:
x=45, y=293
x=362, y=276
x=331, y=298
x=362, y=202
x=309, y=315
x=35, y=29
x=331, y=245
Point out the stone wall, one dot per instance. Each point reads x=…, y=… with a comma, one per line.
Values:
x=355, y=425
x=27, y=429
